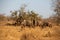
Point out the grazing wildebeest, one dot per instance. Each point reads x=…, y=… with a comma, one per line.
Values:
x=46, y=24
x=19, y=20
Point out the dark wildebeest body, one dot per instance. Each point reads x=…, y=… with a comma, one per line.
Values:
x=19, y=21
x=46, y=24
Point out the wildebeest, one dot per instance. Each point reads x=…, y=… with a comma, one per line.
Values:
x=46, y=24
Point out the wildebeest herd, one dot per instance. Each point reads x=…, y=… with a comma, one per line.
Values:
x=33, y=23
x=27, y=23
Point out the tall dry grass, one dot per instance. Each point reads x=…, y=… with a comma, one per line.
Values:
x=25, y=33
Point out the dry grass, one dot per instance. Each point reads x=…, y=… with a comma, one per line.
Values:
x=25, y=33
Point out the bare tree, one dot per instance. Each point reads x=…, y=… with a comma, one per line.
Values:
x=57, y=11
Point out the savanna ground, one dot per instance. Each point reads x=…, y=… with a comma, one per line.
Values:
x=26, y=33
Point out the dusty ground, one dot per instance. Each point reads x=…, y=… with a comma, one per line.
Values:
x=19, y=33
